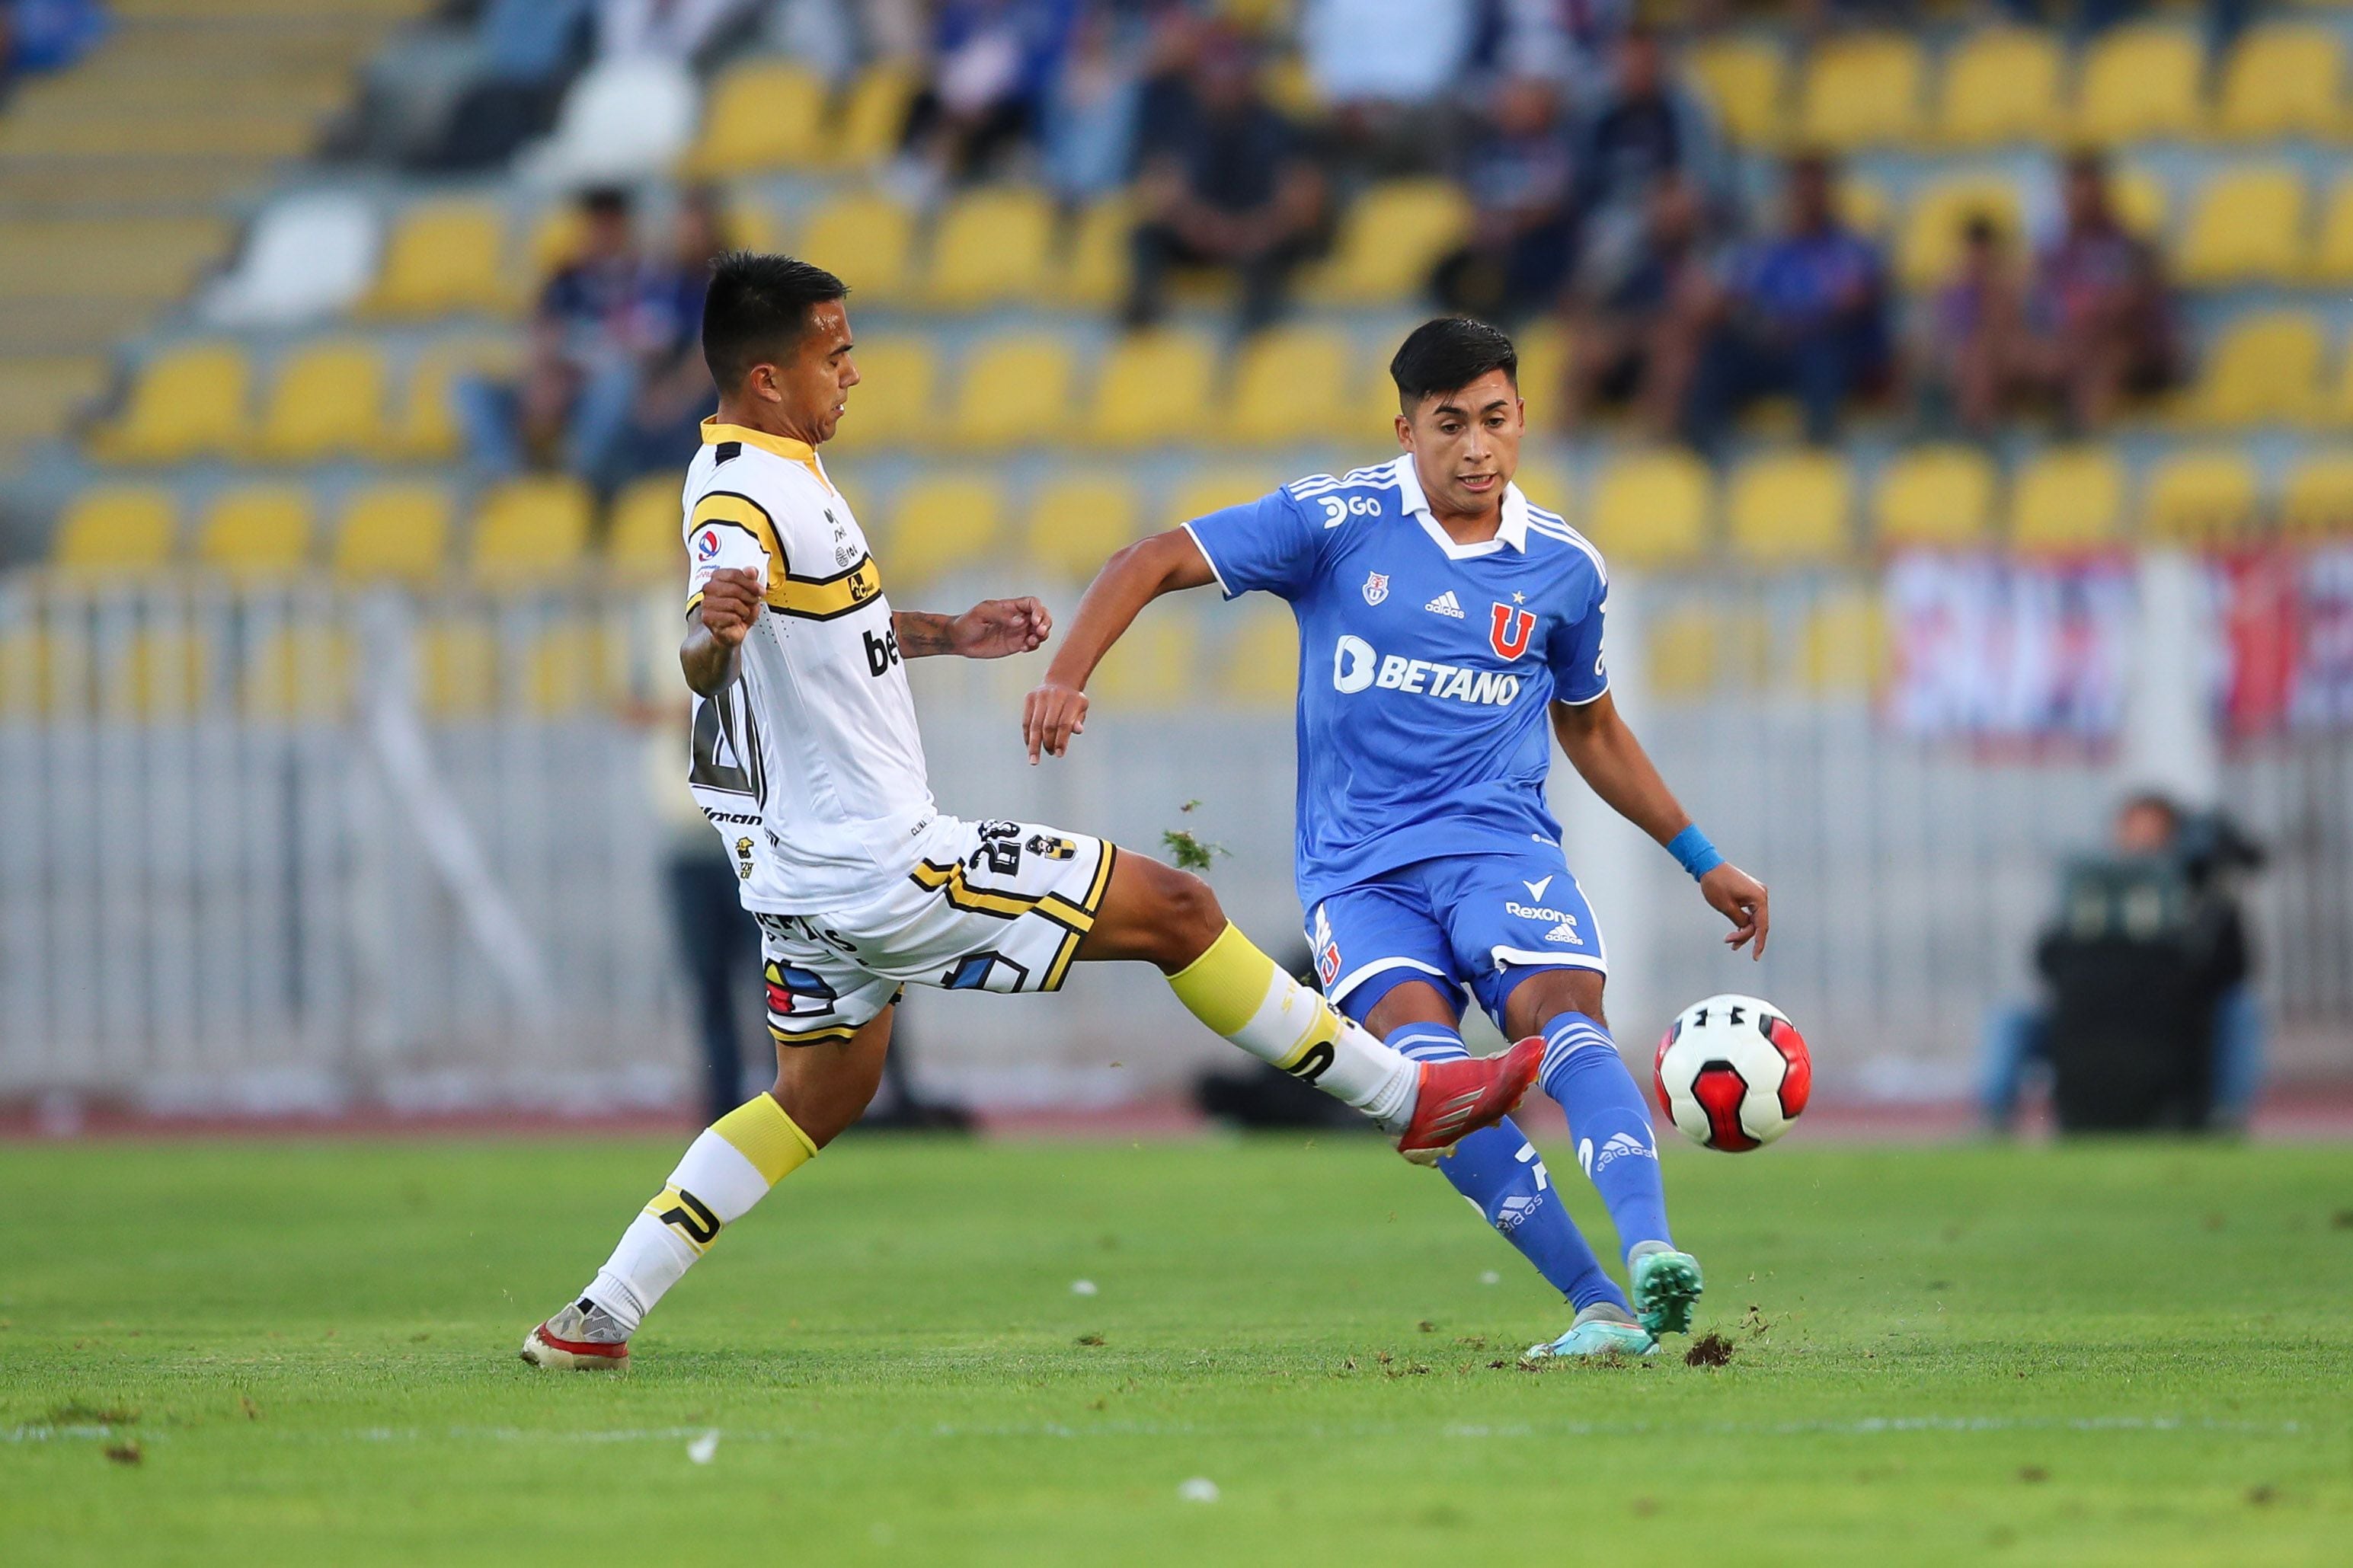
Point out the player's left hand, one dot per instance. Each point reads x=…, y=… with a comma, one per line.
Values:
x=998, y=629
x=1742, y=900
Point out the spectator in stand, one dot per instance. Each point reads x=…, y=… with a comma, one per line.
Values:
x=1172, y=41
x=1643, y=126
x=38, y=36
x=1089, y=134
x=526, y=51
x=1232, y=188
x=1802, y=312
x=1569, y=41
x=1516, y=173
x=1620, y=349
x=1981, y=356
x=1387, y=68
x=991, y=63
x=679, y=30
x=674, y=384
x=2100, y=306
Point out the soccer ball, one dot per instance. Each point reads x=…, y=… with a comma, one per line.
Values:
x=1732, y=1072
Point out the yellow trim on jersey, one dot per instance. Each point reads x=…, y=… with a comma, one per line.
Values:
x=823, y=598
x=741, y=510
x=784, y=446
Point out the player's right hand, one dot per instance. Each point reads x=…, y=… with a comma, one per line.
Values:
x=1051, y=715
x=730, y=603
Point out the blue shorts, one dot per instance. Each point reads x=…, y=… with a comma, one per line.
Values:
x=1480, y=922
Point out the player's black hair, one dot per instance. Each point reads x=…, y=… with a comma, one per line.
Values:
x=1448, y=352
x=757, y=309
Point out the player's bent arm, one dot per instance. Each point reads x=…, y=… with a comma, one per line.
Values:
x=1131, y=579
x=994, y=629
x=711, y=657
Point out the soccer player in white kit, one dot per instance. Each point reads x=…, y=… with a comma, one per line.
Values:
x=807, y=760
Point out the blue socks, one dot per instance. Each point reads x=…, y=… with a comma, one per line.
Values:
x=1497, y=1169
x=1610, y=1124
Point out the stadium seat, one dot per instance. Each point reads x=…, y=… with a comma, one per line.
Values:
x=564, y=667
x=552, y=243
x=1291, y=384
x=2318, y=496
x=1016, y=392
x=295, y=671
x=1214, y=490
x=457, y=666
x=641, y=538
x=1154, y=387
x=1390, y=238
x=1934, y=496
x=2245, y=226
x=625, y=119
x=897, y=392
x=427, y=429
x=1651, y=508
x=753, y=225
x=310, y=255
x=2142, y=202
x=188, y=401
x=1680, y=655
x=2263, y=369
x=1861, y=90
x=2200, y=498
x=1930, y=243
x=157, y=673
x=992, y=247
x=2283, y=80
x=1746, y=81
x=1155, y=665
x=1790, y=507
x=869, y=239
x=2332, y=250
x=1543, y=483
x=764, y=114
x=1841, y=643
x=528, y=532
x=328, y=401
x=2140, y=82
x=1862, y=205
x=2001, y=85
x=867, y=130
x=1094, y=263
x=258, y=531
x=396, y=531
x=1261, y=668
x=1543, y=345
x=940, y=523
x=444, y=258
x=112, y=529
x=1076, y=521
x=2066, y=499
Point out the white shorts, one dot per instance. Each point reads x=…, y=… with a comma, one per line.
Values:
x=988, y=905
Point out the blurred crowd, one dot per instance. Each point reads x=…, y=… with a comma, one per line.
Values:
x=38, y=36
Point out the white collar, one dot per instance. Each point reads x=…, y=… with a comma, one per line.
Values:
x=1513, y=529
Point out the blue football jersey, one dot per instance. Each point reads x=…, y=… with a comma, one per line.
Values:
x=1426, y=667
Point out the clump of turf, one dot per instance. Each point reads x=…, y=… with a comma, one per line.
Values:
x=1711, y=1349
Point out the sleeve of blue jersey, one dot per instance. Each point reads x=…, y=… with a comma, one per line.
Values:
x=1268, y=545
x=1579, y=672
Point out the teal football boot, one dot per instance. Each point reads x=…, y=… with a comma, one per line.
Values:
x=1600, y=1330
x=1666, y=1285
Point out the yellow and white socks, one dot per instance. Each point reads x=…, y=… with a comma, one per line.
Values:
x=722, y=1174
x=1244, y=995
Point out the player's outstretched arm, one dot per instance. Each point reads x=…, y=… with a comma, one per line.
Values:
x=1130, y=580
x=711, y=656
x=1602, y=747
x=994, y=629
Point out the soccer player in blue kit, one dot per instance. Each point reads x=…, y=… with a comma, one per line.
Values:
x=1443, y=620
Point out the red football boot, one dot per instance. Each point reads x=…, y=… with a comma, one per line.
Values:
x=1457, y=1098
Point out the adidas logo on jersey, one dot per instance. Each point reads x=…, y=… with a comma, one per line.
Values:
x=1446, y=604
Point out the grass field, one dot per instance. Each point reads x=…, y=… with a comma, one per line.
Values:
x=306, y=1353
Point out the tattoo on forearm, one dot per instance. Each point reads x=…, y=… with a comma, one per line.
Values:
x=920, y=635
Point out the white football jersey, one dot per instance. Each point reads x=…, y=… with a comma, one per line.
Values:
x=809, y=765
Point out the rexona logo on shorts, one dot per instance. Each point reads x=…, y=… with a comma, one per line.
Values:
x=1357, y=665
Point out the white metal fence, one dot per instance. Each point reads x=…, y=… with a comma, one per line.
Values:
x=288, y=848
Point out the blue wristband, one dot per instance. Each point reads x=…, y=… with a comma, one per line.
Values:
x=1698, y=855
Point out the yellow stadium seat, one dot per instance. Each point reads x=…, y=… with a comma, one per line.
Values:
x=1156, y=665
x=1934, y=496
x=2200, y=498
x=1545, y=486
x=1214, y=490
x=1543, y=376
x=564, y=667
x=1290, y=88
x=2140, y=82
x=158, y=673
x=2263, y=369
x=1076, y=521
x=2247, y=226
x=1746, y=82
x=2318, y=496
x=1930, y=245
x=260, y=531
x=297, y=670
x=1390, y=237
x=1016, y=392
x=2000, y=86
x=116, y=529
x=940, y=523
x=530, y=530
x=328, y=401
x=764, y=114
x=2141, y=202
x=868, y=238
x=2332, y=252
x=2068, y=499
x=1863, y=89
x=1293, y=384
x=876, y=112
x=457, y=666
x=1790, y=506
x=426, y=429
x=1651, y=508
x=992, y=246
x=2283, y=79
x=1682, y=656
x=1261, y=668
x=1094, y=267
x=1153, y=387
x=1841, y=642
x=642, y=538
x=753, y=225
x=444, y=256
x=897, y=392
x=187, y=402
x=398, y=531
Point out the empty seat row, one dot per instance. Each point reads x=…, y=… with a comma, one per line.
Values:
x=2010, y=85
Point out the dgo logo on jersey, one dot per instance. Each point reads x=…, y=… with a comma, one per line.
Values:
x=1511, y=630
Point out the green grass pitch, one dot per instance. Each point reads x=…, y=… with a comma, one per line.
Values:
x=305, y=1353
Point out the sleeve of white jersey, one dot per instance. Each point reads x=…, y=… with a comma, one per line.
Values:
x=725, y=531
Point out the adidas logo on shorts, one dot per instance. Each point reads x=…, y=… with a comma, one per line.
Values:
x=1446, y=604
